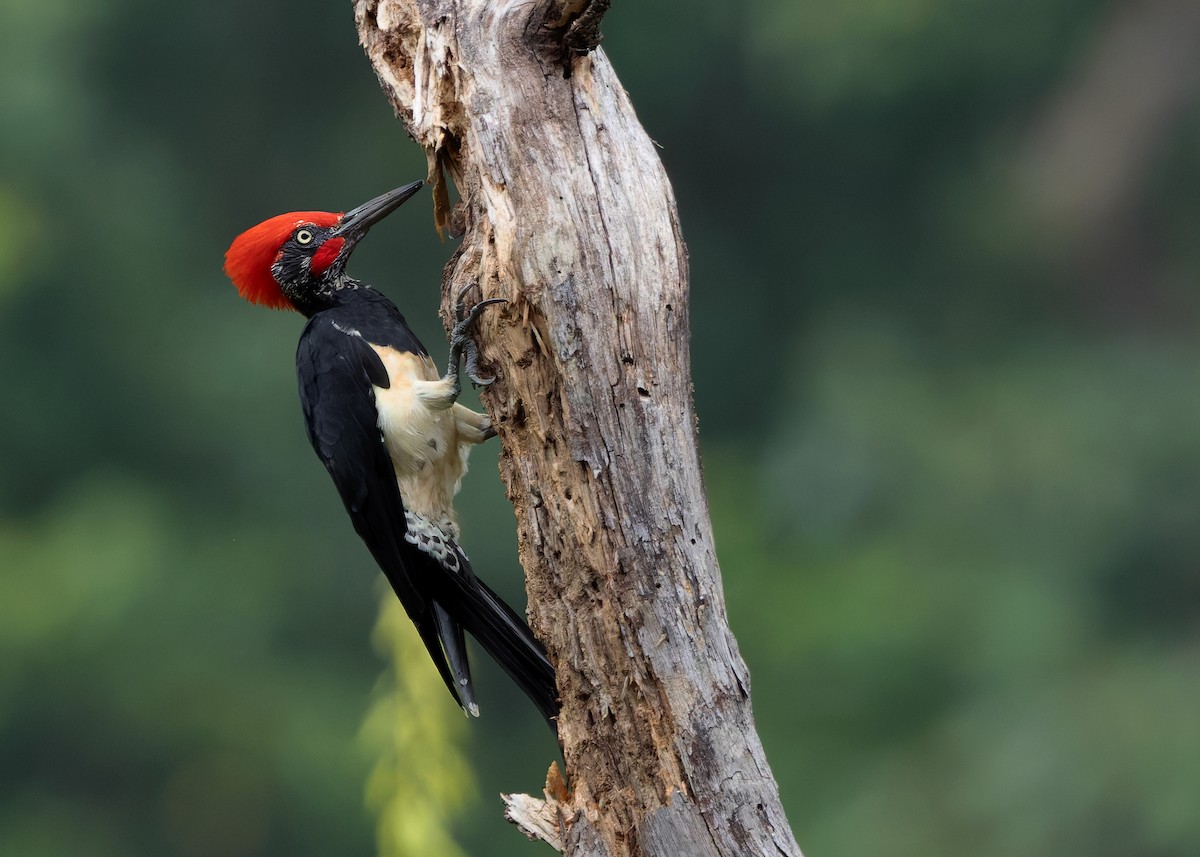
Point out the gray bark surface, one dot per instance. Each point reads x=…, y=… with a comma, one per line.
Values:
x=567, y=213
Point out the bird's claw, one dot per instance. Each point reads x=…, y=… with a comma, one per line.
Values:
x=462, y=344
x=471, y=353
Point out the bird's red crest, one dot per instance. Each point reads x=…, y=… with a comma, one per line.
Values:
x=249, y=258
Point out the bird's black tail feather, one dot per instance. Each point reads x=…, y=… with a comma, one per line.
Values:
x=454, y=645
x=503, y=635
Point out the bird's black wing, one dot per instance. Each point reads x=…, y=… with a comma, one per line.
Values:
x=430, y=574
x=336, y=370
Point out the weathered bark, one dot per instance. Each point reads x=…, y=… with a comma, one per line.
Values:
x=567, y=213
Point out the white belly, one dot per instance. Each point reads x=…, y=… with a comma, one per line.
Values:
x=417, y=420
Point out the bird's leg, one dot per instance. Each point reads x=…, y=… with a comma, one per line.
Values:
x=473, y=427
x=462, y=344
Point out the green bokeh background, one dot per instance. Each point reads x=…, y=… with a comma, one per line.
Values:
x=944, y=267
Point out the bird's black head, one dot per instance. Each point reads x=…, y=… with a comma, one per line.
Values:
x=298, y=260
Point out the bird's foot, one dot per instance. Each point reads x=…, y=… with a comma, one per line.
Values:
x=462, y=343
x=488, y=431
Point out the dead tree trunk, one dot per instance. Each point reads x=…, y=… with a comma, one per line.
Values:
x=567, y=213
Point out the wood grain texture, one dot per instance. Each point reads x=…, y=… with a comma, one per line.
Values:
x=567, y=213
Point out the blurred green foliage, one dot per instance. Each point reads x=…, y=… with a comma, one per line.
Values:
x=951, y=445
x=421, y=778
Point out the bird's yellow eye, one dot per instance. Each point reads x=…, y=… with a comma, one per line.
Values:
x=304, y=237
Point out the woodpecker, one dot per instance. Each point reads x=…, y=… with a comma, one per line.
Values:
x=391, y=433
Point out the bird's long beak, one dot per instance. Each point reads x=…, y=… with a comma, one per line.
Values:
x=355, y=223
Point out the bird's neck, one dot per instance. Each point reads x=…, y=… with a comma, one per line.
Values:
x=329, y=296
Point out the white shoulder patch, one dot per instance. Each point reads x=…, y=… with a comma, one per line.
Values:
x=349, y=331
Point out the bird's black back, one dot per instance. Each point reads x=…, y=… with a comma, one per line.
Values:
x=337, y=369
